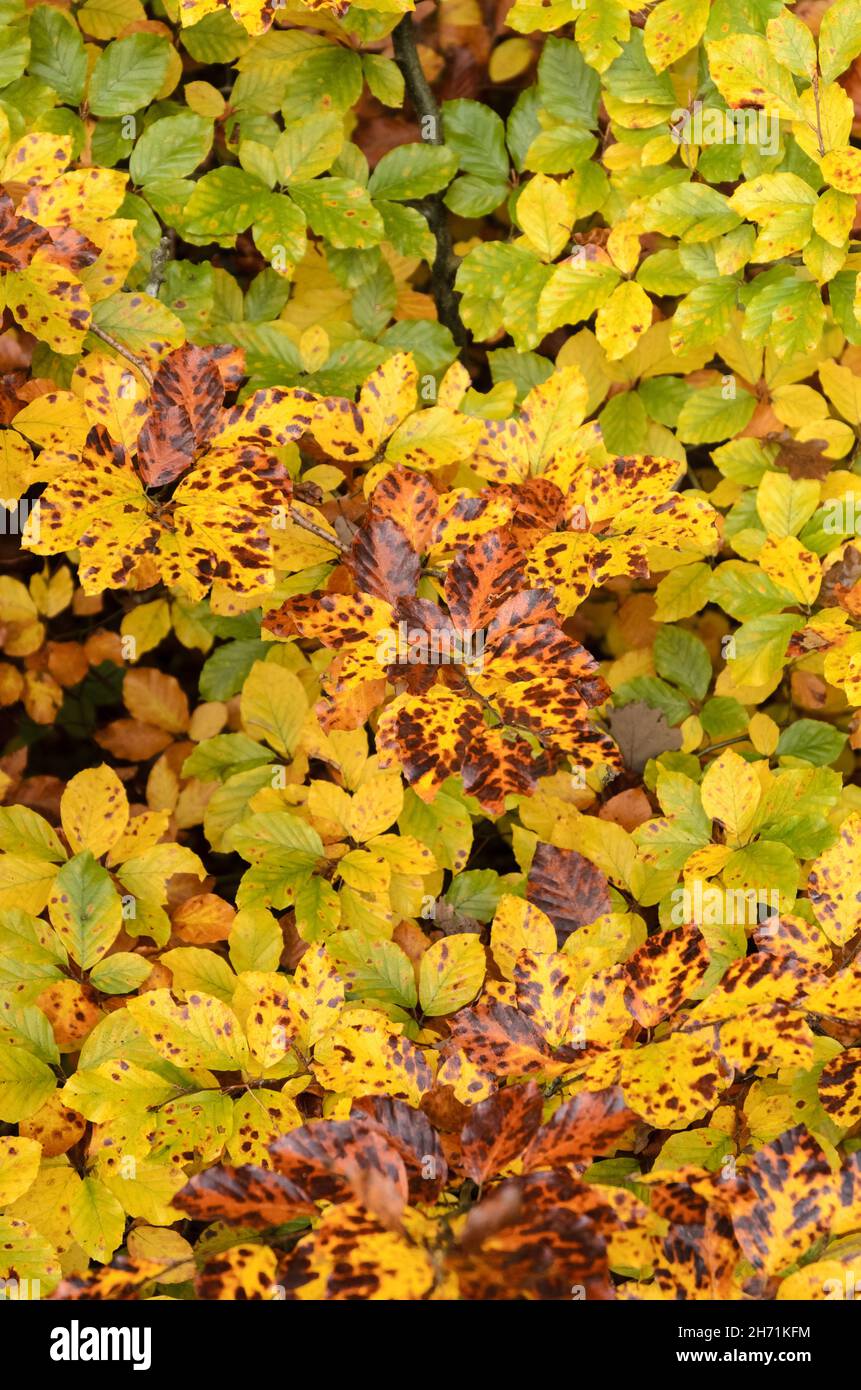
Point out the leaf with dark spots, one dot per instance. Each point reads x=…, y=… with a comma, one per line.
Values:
x=383, y=561
x=184, y=409
x=664, y=972
x=332, y=1160
x=481, y=578
x=410, y=500
x=498, y=1130
x=411, y=1133
x=502, y=1042
x=248, y=1196
x=591, y=1125
x=565, y=885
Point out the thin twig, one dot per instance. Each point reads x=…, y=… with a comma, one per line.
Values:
x=444, y=268
x=158, y=262
x=137, y=362
x=820, y=141
x=311, y=527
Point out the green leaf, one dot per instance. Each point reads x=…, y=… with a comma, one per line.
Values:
x=451, y=973
x=760, y=648
x=14, y=53
x=477, y=137
x=120, y=973
x=682, y=658
x=811, y=740
x=171, y=148
x=341, y=211
x=476, y=893
x=224, y=202
x=24, y=832
x=384, y=78
x=223, y=673
x=413, y=171
x=216, y=759
x=308, y=148
x=85, y=909
x=575, y=289
x=568, y=89
x=471, y=196
x=692, y=211
x=839, y=38
x=128, y=74
x=57, y=53
x=372, y=969
x=655, y=693
x=708, y=415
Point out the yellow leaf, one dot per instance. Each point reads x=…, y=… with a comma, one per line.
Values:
x=94, y=810
x=842, y=169
x=202, y=1032
x=519, y=926
x=764, y=734
x=17, y=468
x=97, y=1220
x=545, y=211
x=784, y=504
x=622, y=321
x=366, y=1054
x=78, y=198
x=833, y=884
x=274, y=706
x=451, y=973
x=50, y=302
x=792, y=566
x=672, y=28
x=730, y=793
x=19, y=1164
x=375, y=806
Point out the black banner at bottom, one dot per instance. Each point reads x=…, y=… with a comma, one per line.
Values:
x=160, y=1335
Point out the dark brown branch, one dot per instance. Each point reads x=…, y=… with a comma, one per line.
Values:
x=444, y=268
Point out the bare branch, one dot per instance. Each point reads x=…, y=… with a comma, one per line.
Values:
x=444, y=268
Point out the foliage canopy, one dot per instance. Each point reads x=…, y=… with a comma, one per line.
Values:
x=430, y=840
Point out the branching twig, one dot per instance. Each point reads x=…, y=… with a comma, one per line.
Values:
x=445, y=263
x=137, y=362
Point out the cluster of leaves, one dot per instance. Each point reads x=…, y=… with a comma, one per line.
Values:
x=430, y=823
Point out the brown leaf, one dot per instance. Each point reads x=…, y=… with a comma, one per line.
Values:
x=641, y=733
x=498, y=1130
x=588, y=1126
x=565, y=885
